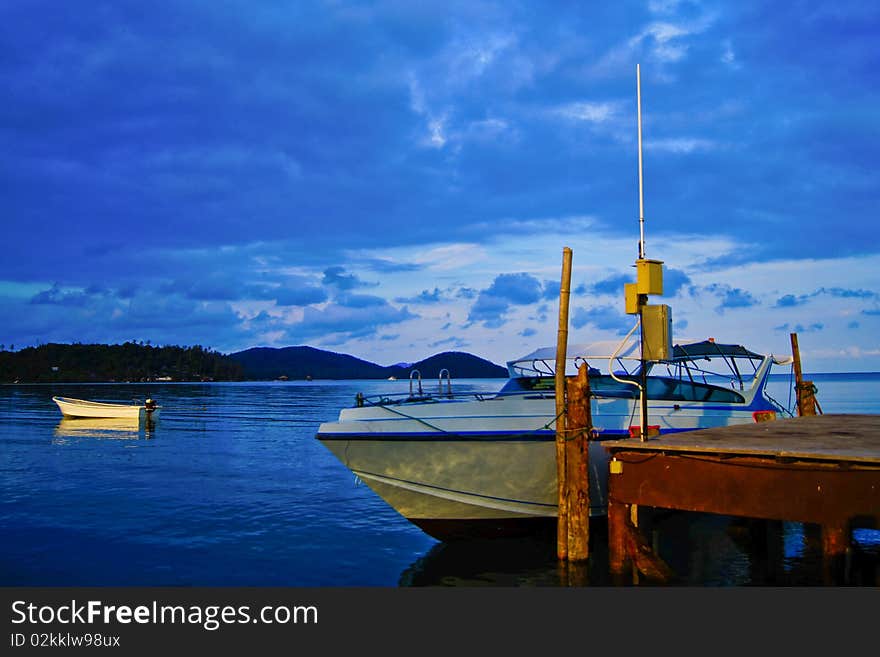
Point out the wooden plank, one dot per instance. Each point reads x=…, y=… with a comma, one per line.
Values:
x=838, y=438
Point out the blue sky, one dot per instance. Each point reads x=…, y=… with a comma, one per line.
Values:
x=394, y=179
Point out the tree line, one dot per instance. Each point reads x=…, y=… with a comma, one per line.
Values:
x=130, y=361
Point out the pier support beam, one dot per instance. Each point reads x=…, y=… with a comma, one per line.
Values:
x=828, y=494
x=835, y=553
x=628, y=548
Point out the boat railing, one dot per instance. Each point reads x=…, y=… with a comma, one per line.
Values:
x=415, y=376
x=448, y=382
x=395, y=399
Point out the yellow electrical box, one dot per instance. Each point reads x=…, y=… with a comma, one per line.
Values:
x=649, y=276
x=631, y=296
x=657, y=331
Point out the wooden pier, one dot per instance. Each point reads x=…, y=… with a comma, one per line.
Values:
x=814, y=469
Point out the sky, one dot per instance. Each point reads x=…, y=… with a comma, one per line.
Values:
x=395, y=179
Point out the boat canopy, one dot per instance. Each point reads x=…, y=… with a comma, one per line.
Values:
x=624, y=357
x=711, y=348
x=587, y=350
x=685, y=350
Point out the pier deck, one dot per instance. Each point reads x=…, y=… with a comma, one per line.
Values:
x=822, y=469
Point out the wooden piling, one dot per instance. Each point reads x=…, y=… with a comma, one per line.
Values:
x=806, y=392
x=561, y=353
x=578, y=423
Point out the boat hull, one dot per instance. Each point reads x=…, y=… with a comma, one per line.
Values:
x=465, y=486
x=80, y=408
x=483, y=468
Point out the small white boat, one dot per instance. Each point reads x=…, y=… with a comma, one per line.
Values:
x=83, y=408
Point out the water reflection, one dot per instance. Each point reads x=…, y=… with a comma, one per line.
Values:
x=107, y=428
x=700, y=550
x=522, y=561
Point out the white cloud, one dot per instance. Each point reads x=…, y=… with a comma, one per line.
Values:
x=728, y=56
x=592, y=112
x=681, y=145
x=662, y=42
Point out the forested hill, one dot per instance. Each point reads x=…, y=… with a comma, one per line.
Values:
x=304, y=362
x=139, y=362
x=117, y=362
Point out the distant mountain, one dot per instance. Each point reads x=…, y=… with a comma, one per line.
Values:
x=304, y=362
x=460, y=365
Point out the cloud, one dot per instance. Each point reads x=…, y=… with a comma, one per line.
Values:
x=518, y=289
x=606, y=318
x=791, y=300
x=673, y=281
x=384, y=266
x=505, y=291
x=612, y=285
x=349, y=300
x=800, y=328
x=730, y=297
x=336, y=321
x=57, y=297
x=297, y=295
x=490, y=310
x=680, y=145
x=450, y=342
x=551, y=290
x=284, y=290
x=425, y=297
x=336, y=277
x=589, y=112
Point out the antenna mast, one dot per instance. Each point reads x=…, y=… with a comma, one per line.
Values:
x=641, y=192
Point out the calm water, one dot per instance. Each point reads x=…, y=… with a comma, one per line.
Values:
x=231, y=489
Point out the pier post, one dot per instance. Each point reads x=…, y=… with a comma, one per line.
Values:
x=561, y=354
x=578, y=423
x=617, y=519
x=806, y=398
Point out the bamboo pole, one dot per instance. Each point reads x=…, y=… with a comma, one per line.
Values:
x=561, y=352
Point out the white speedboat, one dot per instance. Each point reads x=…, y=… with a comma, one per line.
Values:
x=82, y=408
x=485, y=464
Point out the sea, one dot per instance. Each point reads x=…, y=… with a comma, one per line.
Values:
x=231, y=488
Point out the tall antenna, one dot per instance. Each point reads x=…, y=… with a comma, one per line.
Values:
x=641, y=191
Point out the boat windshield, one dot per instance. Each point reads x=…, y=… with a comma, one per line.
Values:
x=659, y=387
x=698, y=371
